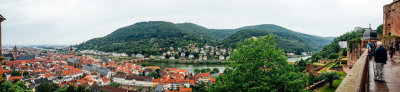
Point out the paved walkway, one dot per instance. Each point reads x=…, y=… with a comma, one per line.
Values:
x=391, y=74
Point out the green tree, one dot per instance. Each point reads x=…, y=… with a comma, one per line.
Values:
x=302, y=64
x=155, y=75
x=379, y=29
x=259, y=66
x=352, y=37
x=119, y=72
x=158, y=71
x=197, y=70
x=140, y=88
x=15, y=73
x=208, y=69
x=18, y=86
x=47, y=87
x=71, y=88
x=114, y=84
x=216, y=70
x=25, y=73
x=199, y=88
x=62, y=89
x=4, y=87
x=344, y=52
x=82, y=88
x=333, y=56
x=330, y=77
x=149, y=89
x=203, y=70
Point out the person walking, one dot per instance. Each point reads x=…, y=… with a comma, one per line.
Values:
x=380, y=55
x=391, y=52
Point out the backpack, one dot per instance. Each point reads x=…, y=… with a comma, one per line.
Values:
x=370, y=47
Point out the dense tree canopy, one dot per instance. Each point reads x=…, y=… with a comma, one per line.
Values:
x=286, y=39
x=302, y=65
x=18, y=86
x=25, y=73
x=330, y=77
x=259, y=66
x=114, y=84
x=47, y=87
x=15, y=73
x=331, y=50
x=379, y=29
x=147, y=37
x=72, y=88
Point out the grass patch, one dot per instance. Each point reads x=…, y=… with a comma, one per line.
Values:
x=318, y=64
x=341, y=73
x=340, y=53
x=326, y=88
x=327, y=67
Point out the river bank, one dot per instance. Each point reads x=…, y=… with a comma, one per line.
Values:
x=190, y=66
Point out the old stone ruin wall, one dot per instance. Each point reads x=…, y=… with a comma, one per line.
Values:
x=353, y=54
x=391, y=18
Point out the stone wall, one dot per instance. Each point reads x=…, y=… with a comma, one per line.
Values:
x=391, y=18
x=354, y=54
x=357, y=79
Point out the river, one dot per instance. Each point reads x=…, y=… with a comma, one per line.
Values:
x=190, y=67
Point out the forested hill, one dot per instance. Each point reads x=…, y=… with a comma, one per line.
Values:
x=287, y=39
x=148, y=37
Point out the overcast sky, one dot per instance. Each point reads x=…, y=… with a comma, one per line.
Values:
x=75, y=21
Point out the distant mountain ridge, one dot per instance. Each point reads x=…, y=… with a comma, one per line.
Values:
x=148, y=37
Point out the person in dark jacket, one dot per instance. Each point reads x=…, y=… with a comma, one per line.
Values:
x=391, y=52
x=371, y=47
x=380, y=55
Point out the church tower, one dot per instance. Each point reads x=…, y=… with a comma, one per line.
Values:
x=15, y=52
x=71, y=51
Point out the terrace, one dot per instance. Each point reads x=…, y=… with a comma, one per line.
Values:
x=361, y=76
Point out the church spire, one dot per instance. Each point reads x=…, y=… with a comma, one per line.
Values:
x=15, y=48
x=369, y=25
x=15, y=53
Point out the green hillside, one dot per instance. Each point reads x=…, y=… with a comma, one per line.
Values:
x=287, y=39
x=148, y=37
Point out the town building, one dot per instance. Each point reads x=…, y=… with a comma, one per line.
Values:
x=89, y=68
x=74, y=62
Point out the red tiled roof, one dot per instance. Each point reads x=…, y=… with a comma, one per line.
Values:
x=156, y=80
x=177, y=81
x=12, y=78
x=71, y=71
x=182, y=89
x=49, y=75
x=205, y=74
x=105, y=79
